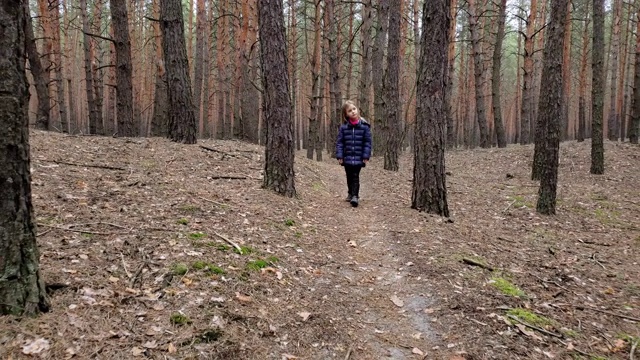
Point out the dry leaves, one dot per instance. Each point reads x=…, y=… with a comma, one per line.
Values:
x=36, y=346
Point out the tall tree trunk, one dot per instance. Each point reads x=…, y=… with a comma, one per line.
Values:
x=279, y=150
x=54, y=14
x=392, y=102
x=566, y=77
x=597, y=89
x=550, y=112
x=634, y=128
x=478, y=70
x=97, y=59
x=198, y=75
x=334, y=78
x=314, y=121
x=124, y=86
x=620, y=86
x=429, y=191
x=495, y=78
x=528, y=85
x=582, y=121
x=365, y=74
x=378, y=71
x=160, y=119
x=614, y=116
x=40, y=75
x=91, y=101
x=448, y=96
x=182, y=120
x=22, y=290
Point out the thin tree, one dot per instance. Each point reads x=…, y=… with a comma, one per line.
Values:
x=393, y=129
x=40, y=76
x=279, y=148
x=365, y=65
x=634, y=123
x=314, y=100
x=614, y=116
x=550, y=107
x=495, y=77
x=160, y=117
x=597, y=89
x=334, y=77
x=527, y=76
x=124, y=86
x=451, y=129
x=429, y=191
x=91, y=98
x=22, y=290
x=182, y=125
x=582, y=113
x=377, y=68
x=478, y=73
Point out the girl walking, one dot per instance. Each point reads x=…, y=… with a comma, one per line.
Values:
x=353, y=148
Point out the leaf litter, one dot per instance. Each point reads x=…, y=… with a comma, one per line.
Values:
x=110, y=238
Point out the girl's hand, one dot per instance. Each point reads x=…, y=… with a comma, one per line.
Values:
x=365, y=161
x=340, y=161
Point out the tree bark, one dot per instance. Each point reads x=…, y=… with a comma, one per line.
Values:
x=160, y=117
x=634, y=128
x=40, y=75
x=182, y=126
x=335, y=109
x=316, y=67
x=597, y=89
x=365, y=74
x=124, y=86
x=392, y=82
x=550, y=110
x=478, y=72
x=198, y=76
x=582, y=121
x=566, y=77
x=451, y=53
x=22, y=290
x=91, y=101
x=496, y=79
x=377, y=67
x=279, y=149
x=614, y=116
x=429, y=192
x=528, y=85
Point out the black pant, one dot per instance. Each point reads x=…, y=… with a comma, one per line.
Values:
x=353, y=179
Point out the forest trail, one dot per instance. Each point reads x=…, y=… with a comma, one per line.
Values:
x=387, y=304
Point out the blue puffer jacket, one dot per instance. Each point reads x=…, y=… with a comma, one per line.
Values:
x=354, y=143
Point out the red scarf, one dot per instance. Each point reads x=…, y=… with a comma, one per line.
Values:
x=354, y=122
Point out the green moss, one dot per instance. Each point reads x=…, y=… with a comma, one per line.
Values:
x=520, y=202
x=256, y=265
x=298, y=234
x=531, y=318
x=289, y=222
x=196, y=235
x=209, y=336
x=179, y=269
x=179, y=319
x=190, y=208
x=273, y=259
x=199, y=265
x=216, y=270
x=182, y=221
x=223, y=247
x=244, y=250
x=506, y=287
x=316, y=186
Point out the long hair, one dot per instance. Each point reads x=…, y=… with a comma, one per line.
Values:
x=344, y=109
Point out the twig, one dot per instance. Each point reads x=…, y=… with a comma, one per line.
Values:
x=633, y=349
x=560, y=336
x=86, y=165
x=577, y=350
x=81, y=231
x=124, y=265
x=134, y=279
x=44, y=232
x=229, y=177
x=229, y=242
x=593, y=257
x=507, y=208
x=608, y=313
x=351, y=350
x=476, y=263
x=224, y=152
x=98, y=223
x=213, y=202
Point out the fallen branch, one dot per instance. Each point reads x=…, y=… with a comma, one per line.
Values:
x=546, y=332
x=583, y=353
x=86, y=165
x=633, y=349
x=98, y=223
x=229, y=177
x=351, y=350
x=124, y=265
x=224, y=152
x=507, y=208
x=608, y=313
x=476, y=263
x=229, y=242
x=214, y=202
x=81, y=231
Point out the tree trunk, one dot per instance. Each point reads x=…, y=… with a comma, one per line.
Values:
x=314, y=120
x=160, y=117
x=91, y=101
x=124, y=86
x=392, y=102
x=335, y=109
x=566, y=77
x=451, y=53
x=634, y=128
x=97, y=56
x=198, y=75
x=495, y=81
x=528, y=86
x=22, y=290
x=550, y=111
x=377, y=66
x=182, y=125
x=54, y=14
x=429, y=191
x=40, y=76
x=279, y=149
x=365, y=74
x=614, y=116
x=597, y=89
x=582, y=121
x=478, y=70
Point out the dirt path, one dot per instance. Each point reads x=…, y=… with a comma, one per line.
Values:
x=389, y=307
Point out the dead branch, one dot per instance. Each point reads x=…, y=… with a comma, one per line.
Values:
x=546, y=332
x=351, y=350
x=81, y=231
x=229, y=242
x=86, y=165
x=507, y=208
x=633, y=349
x=229, y=177
x=608, y=313
x=476, y=263
x=213, y=202
x=124, y=265
x=224, y=152
x=98, y=223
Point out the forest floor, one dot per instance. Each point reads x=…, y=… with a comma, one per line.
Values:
x=152, y=249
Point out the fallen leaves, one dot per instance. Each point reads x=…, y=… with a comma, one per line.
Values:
x=397, y=301
x=36, y=346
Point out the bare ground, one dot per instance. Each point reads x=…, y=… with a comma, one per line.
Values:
x=137, y=242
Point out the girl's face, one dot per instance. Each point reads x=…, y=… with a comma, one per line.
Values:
x=352, y=112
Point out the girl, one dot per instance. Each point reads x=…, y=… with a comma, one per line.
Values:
x=353, y=148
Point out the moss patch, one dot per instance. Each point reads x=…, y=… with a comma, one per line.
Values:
x=507, y=287
x=179, y=319
x=531, y=318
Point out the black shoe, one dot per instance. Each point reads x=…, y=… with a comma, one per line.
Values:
x=348, y=198
x=354, y=201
